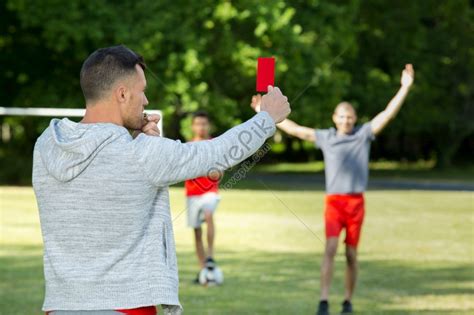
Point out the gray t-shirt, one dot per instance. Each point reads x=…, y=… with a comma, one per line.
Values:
x=346, y=159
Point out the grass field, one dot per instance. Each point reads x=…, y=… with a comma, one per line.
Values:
x=416, y=254
x=414, y=171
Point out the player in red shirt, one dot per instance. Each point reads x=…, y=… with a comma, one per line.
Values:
x=202, y=198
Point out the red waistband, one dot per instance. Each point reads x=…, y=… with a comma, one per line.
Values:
x=341, y=197
x=355, y=195
x=147, y=310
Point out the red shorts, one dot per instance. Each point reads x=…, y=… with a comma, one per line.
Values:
x=345, y=211
x=146, y=310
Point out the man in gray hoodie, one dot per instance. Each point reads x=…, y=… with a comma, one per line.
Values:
x=103, y=195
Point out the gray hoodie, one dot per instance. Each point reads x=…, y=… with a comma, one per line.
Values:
x=105, y=212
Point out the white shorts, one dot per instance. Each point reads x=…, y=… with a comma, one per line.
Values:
x=197, y=205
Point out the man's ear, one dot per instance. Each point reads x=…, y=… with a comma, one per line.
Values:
x=121, y=94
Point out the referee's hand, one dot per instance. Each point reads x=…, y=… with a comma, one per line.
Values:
x=150, y=126
x=276, y=104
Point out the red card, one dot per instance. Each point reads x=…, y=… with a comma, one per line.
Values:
x=265, y=73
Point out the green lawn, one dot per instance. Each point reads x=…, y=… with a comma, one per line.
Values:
x=414, y=171
x=416, y=254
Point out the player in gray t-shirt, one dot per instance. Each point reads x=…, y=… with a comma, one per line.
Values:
x=346, y=151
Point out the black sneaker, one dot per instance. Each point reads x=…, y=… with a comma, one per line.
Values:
x=196, y=280
x=323, y=308
x=346, y=307
x=210, y=263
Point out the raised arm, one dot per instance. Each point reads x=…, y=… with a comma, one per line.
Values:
x=379, y=122
x=295, y=130
x=288, y=126
x=165, y=161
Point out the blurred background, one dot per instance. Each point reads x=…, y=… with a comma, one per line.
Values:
x=204, y=56
x=416, y=254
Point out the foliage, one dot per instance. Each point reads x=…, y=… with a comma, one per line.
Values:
x=202, y=54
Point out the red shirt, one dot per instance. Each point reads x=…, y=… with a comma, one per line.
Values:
x=201, y=185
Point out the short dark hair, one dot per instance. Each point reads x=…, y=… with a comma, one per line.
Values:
x=200, y=113
x=104, y=66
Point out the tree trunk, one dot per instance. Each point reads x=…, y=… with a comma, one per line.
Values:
x=445, y=154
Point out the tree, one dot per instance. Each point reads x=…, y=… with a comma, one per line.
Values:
x=203, y=55
x=436, y=37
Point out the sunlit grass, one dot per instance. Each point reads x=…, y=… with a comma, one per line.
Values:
x=421, y=170
x=416, y=254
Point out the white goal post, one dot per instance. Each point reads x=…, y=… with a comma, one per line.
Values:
x=59, y=113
